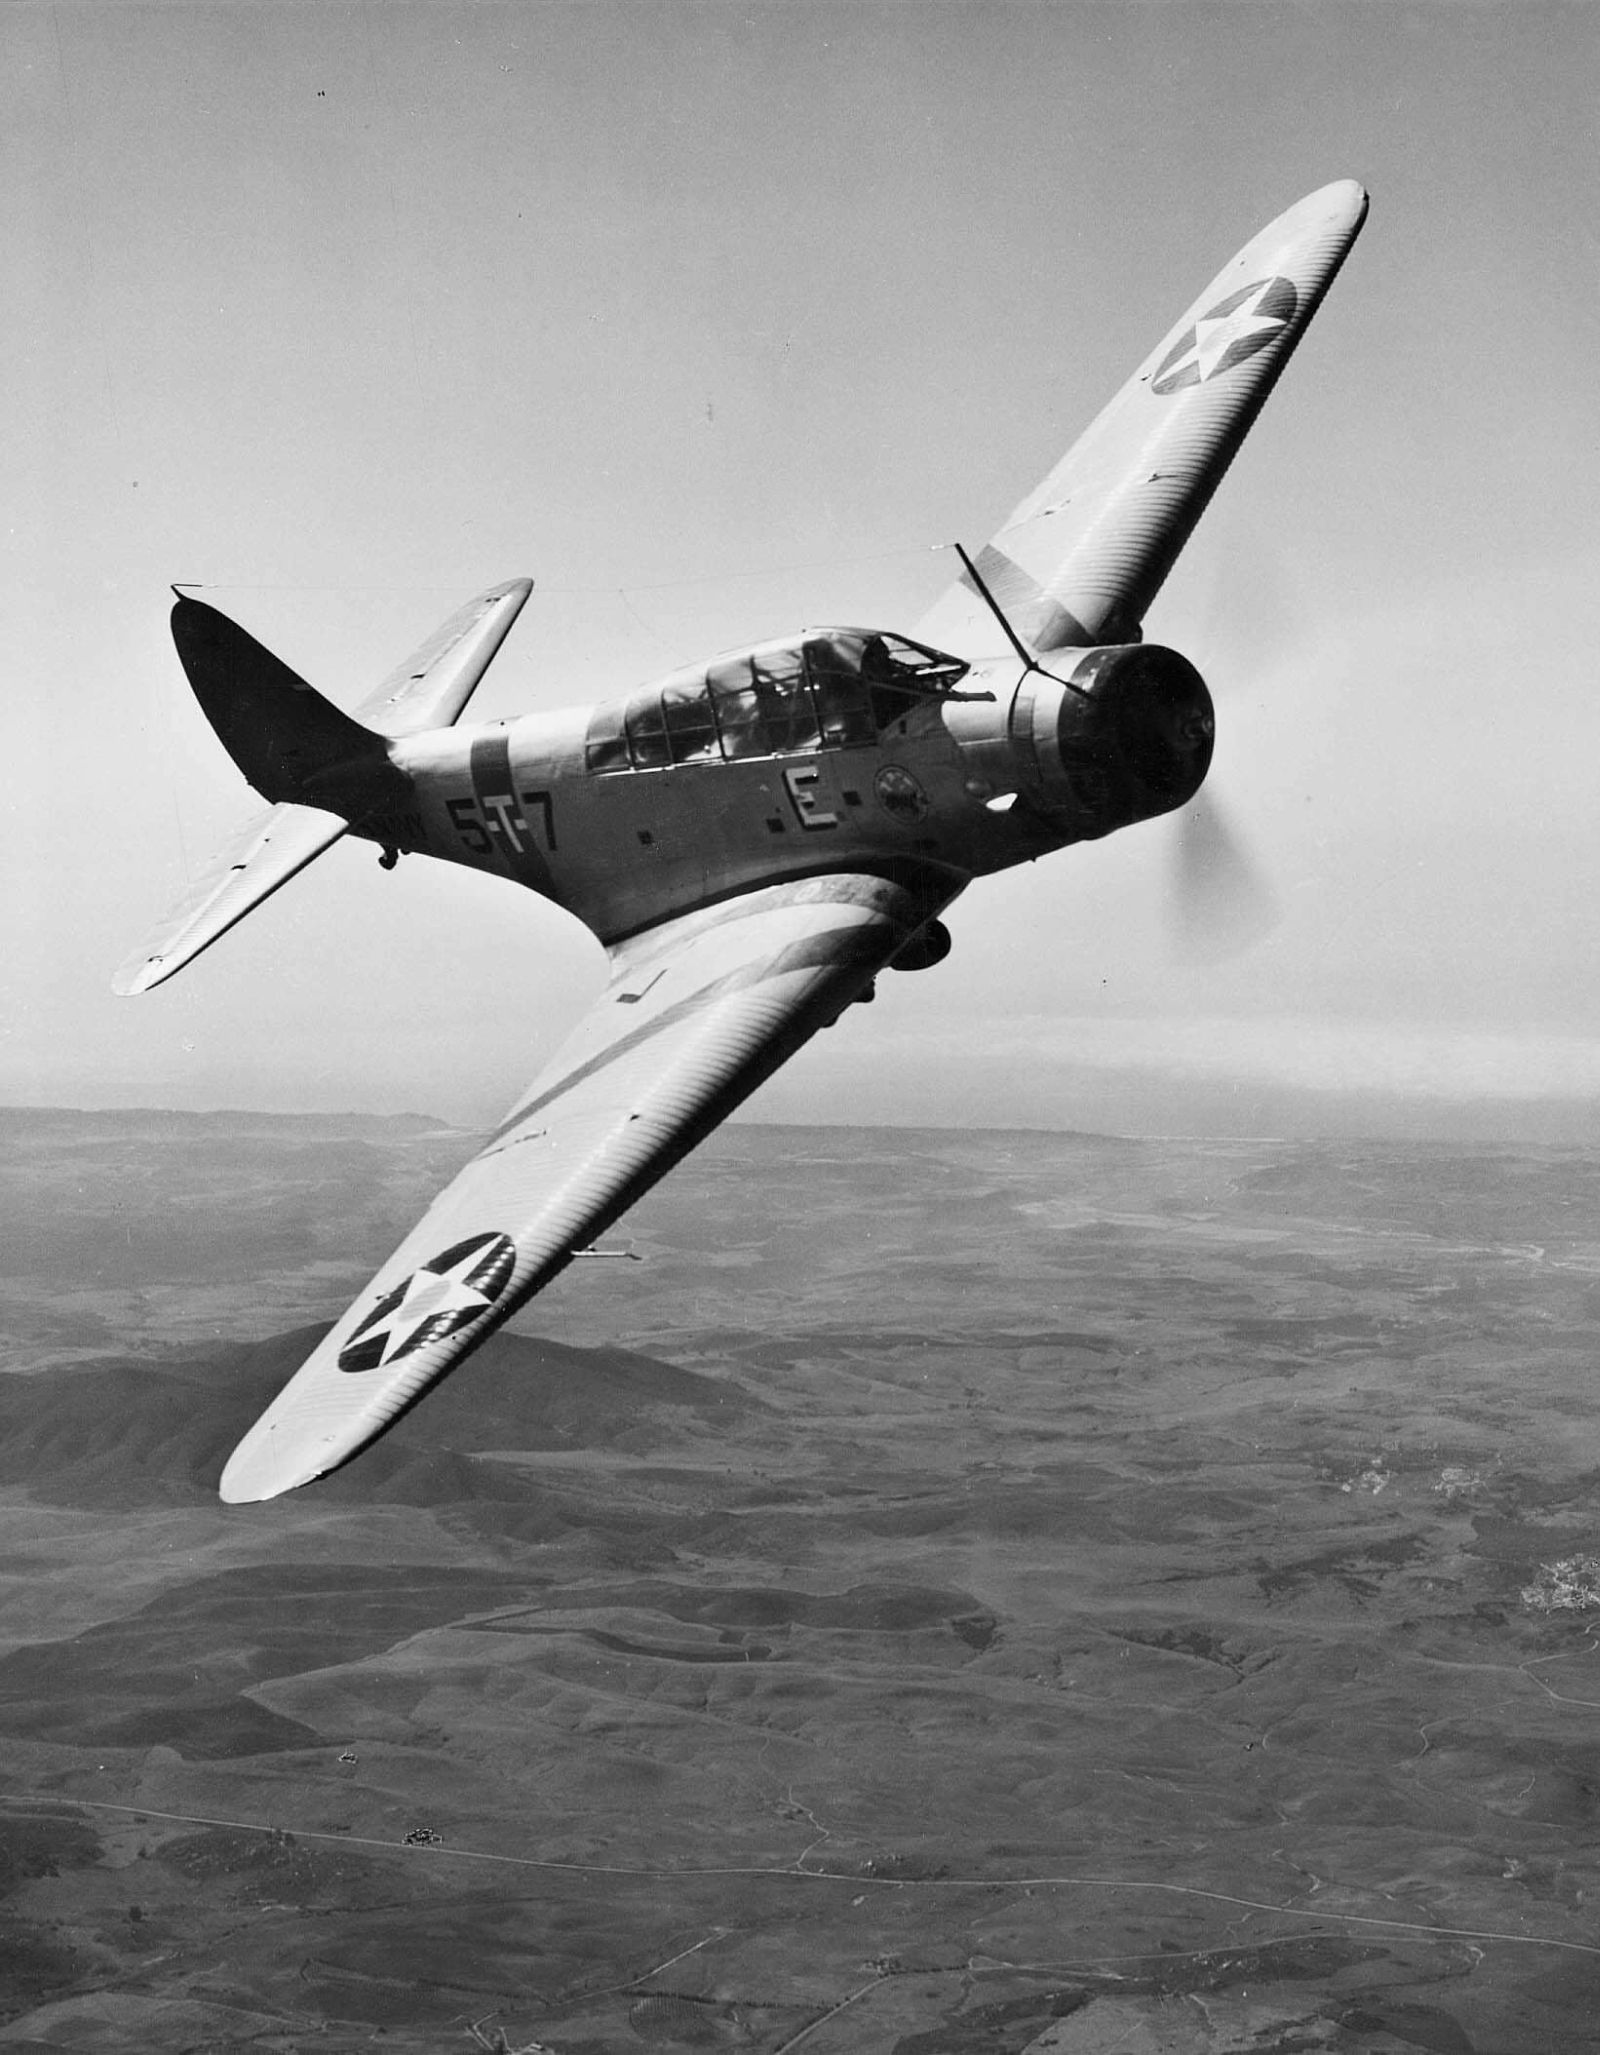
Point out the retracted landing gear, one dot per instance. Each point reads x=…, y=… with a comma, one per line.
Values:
x=928, y=946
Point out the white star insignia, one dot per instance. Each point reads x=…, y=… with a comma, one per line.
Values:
x=1215, y=335
x=428, y=1294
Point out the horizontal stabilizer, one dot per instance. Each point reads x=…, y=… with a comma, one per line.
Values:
x=262, y=855
x=429, y=689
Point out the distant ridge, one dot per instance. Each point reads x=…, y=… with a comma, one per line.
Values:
x=210, y=1120
x=46, y=1120
x=1163, y=1109
x=124, y=1434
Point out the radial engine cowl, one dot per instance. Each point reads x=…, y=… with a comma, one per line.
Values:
x=1132, y=738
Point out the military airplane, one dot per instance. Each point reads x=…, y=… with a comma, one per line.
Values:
x=753, y=839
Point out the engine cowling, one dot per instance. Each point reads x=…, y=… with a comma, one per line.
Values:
x=1127, y=736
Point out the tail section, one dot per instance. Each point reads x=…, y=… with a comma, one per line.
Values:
x=263, y=853
x=432, y=686
x=323, y=771
x=290, y=742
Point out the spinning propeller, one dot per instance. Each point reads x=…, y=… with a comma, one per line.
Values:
x=1219, y=902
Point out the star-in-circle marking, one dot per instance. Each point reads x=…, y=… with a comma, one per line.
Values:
x=1234, y=329
x=449, y=1290
x=898, y=793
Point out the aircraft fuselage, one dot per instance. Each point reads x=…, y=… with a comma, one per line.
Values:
x=574, y=804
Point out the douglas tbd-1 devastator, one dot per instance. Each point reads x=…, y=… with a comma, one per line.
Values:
x=753, y=838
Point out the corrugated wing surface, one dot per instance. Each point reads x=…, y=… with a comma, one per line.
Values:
x=1082, y=557
x=697, y=1014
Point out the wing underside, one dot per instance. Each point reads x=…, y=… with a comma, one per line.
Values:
x=1083, y=556
x=697, y=1014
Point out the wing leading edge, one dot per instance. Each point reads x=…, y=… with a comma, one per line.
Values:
x=1083, y=556
x=697, y=1014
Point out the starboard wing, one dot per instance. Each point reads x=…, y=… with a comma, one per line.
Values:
x=264, y=853
x=698, y=1012
x=1082, y=557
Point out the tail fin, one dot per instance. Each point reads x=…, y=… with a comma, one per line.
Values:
x=290, y=742
x=322, y=770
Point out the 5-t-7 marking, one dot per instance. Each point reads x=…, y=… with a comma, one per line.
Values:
x=496, y=819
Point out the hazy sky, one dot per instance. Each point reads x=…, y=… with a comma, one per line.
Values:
x=713, y=320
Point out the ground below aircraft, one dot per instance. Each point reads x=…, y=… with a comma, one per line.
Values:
x=753, y=839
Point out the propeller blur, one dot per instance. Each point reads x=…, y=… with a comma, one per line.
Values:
x=1220, y=902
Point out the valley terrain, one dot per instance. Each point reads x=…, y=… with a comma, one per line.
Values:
x=926, y=1591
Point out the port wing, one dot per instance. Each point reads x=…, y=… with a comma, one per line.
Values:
x=1082, y=557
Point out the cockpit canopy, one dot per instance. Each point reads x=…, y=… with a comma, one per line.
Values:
x=833, y=688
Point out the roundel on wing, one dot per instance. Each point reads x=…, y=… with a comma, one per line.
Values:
x=449, y=1290
x=1234, y=329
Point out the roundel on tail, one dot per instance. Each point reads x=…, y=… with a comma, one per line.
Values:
x=450, y=1290
x=1234, y=329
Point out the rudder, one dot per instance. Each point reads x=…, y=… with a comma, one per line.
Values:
x=290, y=742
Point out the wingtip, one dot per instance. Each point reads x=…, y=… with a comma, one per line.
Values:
x=1344, y=200
x=273, y=1459
x=248, y=1480
x=139, y=975
x=1324, y=223
x=241, y=1494
x=1353, y=195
